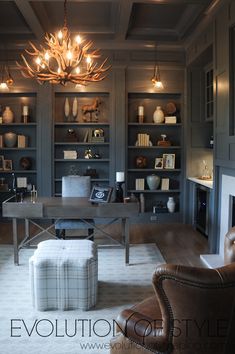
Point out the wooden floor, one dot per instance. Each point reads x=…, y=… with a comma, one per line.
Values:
x=178, y=243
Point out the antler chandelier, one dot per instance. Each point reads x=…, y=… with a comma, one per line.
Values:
x=64, y=59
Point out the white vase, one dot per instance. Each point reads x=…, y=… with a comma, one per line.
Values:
x=158, y=115
x=171, y=205
x=66, y=108
x=7, y=116
x=75, y=108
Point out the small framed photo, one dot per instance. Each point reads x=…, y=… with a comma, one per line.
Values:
x=21, y=182
x=101, y=194
x=7, y=165
x=158, y=163
x=165, y=184
x=168, y=161
x=1, y=162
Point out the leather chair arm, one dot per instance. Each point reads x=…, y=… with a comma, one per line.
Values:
x=189, y=297
x=143, y=330
x=229, y=246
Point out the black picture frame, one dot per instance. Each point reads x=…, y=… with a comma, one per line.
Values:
x=100, y=194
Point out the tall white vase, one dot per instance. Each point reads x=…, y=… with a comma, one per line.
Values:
x=66, y=108
x=75, y=108
x=171, y=205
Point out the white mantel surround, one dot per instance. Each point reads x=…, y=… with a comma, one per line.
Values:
x=227, y=190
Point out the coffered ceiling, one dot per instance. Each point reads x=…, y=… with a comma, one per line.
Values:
x=112, y=24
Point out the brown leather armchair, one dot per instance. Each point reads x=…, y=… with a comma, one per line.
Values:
x=190, y=312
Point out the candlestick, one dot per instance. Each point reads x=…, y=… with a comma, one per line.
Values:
x=141, y=114
x=25, y=114
x=25, y=110
x=118, y=192
x=141, y=110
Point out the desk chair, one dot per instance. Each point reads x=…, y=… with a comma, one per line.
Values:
x=75, y=186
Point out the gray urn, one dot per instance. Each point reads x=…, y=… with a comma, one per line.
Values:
x=153, y=181
x=10, y=139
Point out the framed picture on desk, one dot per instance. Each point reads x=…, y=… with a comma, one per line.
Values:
x=100, y=194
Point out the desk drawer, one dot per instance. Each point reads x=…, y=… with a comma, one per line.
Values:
x=22, y=210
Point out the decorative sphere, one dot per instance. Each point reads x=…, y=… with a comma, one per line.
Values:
x=141, y=161
x=26, y=163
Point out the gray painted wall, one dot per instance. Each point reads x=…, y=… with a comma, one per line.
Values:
x=224, y=152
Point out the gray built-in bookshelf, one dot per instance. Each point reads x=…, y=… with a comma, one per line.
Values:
x=151, y=133
x=78, y=137
x=22, y=155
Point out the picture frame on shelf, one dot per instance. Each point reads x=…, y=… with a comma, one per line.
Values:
x=1, y=162
x=7, y=165
x=165, y=183
x=168, y=161
x=21, y=182
x=100, y=194
x=158, y=163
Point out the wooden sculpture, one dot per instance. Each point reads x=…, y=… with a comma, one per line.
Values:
x=92, y=108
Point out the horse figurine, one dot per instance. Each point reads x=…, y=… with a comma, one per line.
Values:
x=92, y=108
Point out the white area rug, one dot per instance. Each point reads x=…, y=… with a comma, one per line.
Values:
x=25, y=330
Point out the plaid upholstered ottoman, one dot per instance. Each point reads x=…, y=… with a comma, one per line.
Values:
x=64, y=275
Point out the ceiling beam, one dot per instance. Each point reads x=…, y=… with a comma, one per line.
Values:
x=30, y=18
x=124, y=19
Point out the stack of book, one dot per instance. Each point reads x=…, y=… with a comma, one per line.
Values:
x=22, y=141
x=139, y=184
x=171, y=120
x=142, y=139
x=70, y=154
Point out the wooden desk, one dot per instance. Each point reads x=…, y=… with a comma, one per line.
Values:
x=65, y=208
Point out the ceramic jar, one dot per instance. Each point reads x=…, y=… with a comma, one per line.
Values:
x=158, y=115
x=10, y=139
x=153, y=181
x=7, y=116
x=171, y=205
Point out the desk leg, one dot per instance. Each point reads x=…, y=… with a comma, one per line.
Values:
x=126, y=226
x=15, y=241
x=26, y=225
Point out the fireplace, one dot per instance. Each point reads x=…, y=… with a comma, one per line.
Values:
x=227, y=219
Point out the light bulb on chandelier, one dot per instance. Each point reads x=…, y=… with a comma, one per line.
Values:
x=6, y=79
x=156, y=79
x=65, y=59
